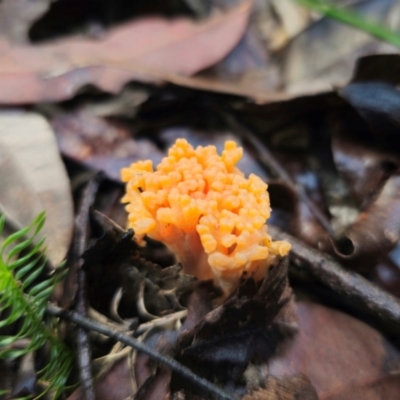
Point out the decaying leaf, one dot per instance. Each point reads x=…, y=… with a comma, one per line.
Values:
x=101, y=144
x=117, y=383
x=314, y=65
x=146, y=50
x=149, y=291
x=377, y=230
x=33, y=179
x=364, y=166
x=364, y=153
x=288, y=388
x=385, y=388
x=245, y=329
x=153, y=380
x=338, y=352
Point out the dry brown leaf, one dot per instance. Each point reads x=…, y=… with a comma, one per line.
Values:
x=33, y=179
x=151, y=49
x=293, y=17
x=116, y=384
x=324, y=55
x=288, y=388
x=376, y=230
x=337, y=353
x=101, y=144
x=386, y=388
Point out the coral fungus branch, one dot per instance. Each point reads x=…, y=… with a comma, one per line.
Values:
x=201, y=205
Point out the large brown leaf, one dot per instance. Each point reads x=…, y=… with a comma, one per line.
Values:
x=151, y=49
x=343, y=357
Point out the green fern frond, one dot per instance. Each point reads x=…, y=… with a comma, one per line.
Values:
x=23, y=300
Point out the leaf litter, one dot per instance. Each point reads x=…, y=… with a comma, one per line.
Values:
x=31, y=183
x=287, y=336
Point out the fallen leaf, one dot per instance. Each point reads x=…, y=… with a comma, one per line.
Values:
x=292, y=215
x=378, y=104
x=245, y=328
x=100, y=144
x=33, y=179
x=288, y=388
x=17, y=16
x=362, y=164
x=150, y=49
x=377, y=230
x=387, y=387
x=387, y=274
x=26, y=380
x=115, y=260
x=337, y=353
x=294, y=19
x=377, y=68
x=372, y=167
x=154, y=380
x=312, y=65
x=116, y=384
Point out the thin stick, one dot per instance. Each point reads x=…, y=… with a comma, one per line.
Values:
x=169, y=362
x=361, y=294
x=80, y=244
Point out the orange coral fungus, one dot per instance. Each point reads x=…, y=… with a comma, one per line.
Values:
x=202, y=207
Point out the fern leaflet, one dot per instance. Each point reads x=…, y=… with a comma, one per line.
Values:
x=23, y=301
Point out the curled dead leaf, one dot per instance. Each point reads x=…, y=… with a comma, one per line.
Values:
x=377, y=229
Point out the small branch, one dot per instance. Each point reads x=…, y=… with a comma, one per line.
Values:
x=361, y=294
x=169, y=362
x=80, y=245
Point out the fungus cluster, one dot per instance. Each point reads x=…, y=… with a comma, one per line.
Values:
x=204, y=209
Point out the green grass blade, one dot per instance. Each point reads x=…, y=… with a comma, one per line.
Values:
x=353, y=19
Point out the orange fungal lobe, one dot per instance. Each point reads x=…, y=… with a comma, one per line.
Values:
x=201, y=205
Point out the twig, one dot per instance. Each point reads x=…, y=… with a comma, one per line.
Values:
x=362, y=295
x=169, y=362
x=80, y=245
